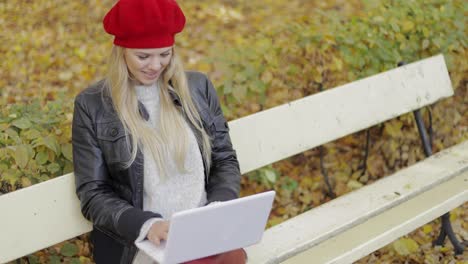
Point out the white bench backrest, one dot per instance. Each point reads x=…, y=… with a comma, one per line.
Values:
x=48, y=213
x=283, y=131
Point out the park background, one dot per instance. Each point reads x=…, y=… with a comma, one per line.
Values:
x=259, y=54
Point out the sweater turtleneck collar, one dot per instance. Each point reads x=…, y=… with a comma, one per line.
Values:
x=146, y=93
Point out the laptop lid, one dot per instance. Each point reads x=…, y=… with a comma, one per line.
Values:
x=213, y=229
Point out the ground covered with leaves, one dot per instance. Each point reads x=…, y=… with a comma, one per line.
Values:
x=259, y=54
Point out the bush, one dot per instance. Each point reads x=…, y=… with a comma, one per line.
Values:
x=35, y=142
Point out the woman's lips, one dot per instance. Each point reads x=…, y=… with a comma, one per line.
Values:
x=151, y=75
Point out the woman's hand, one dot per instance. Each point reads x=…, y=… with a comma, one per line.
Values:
x=158, y=232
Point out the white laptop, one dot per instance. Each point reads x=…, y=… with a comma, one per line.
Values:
x=213, y=229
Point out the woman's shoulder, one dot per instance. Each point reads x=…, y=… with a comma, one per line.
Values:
x=94, y=90
x=197, y=79
x=196, y=76
x=94, y=98
x=200, y=83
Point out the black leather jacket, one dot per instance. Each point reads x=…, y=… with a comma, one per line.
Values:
x=112, y=196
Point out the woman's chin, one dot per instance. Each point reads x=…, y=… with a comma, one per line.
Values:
x=147, y=82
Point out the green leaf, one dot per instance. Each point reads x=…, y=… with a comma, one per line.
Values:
x=13, y=135
x=52, y=144
x=54, y=259
x=270, y=175
x=75, y=261
x=53, y=167
x=3, y=127
x=43, y=177
x=425, y=44
x=42, y=157
x=69, y=250
x=239, y=92
x=227, y=87
x=395, y=27
x=33, y=259
x=3, y=167
x=4, y=153
x=290, y=184
x=21, y=155
x=11, y=176
x=68, y=167
x=22, y=123
x=31, y=134
x=67, y=151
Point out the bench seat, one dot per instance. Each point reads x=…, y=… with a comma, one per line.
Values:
x=407, y=189
x=382, y=229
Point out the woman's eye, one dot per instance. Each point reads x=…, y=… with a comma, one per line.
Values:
x=165, y=54
x=142, y=57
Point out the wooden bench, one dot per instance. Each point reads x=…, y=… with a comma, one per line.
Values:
x=48, y=213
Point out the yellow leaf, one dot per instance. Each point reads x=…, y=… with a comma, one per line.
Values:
x=65, y=76
x=400, y=37
x=337, y=64
x=3, y=127
x=352, y=184
x=317, y=75
x=281, y=210
x=330, y=39
x=393, y=128
x=306, y=182
x=17, y=48
x=444, y=249
x=405, y=246
x=427, y=229
x=25, y=182
x=80, y=52
x=356, y=175
x=267, y=76
x=85, y=259
x=204, y=67
x=275, y=220
x=407, y=26
x=426, y=32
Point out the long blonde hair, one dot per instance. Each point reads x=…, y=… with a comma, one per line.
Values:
x=170, y=139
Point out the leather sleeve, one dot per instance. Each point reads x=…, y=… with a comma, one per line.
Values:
x=99, y=203
x=224, y=178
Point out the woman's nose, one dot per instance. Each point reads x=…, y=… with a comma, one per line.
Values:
x=156, y=64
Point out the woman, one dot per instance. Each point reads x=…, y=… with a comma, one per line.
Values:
x=150, y=139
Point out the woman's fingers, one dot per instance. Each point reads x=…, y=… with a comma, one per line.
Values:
x=164, y=236
x=158, y=232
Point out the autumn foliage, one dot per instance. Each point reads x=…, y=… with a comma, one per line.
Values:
x=259, y=54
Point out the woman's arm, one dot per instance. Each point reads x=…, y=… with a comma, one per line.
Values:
x=224, y=179
x=99, y=203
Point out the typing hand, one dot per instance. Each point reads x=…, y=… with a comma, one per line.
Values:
x=158, y=232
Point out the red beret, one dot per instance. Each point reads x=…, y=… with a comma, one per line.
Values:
x=144, y=23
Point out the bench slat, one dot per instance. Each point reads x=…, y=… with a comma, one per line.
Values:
x=312, y=227
x=280, y=132
x=381, y=230
x=40, y=216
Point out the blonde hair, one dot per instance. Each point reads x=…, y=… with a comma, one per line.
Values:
x=170, y=139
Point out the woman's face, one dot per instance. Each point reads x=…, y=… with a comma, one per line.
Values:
x=146, y=65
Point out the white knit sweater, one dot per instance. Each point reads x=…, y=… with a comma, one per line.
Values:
x=180, y=191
